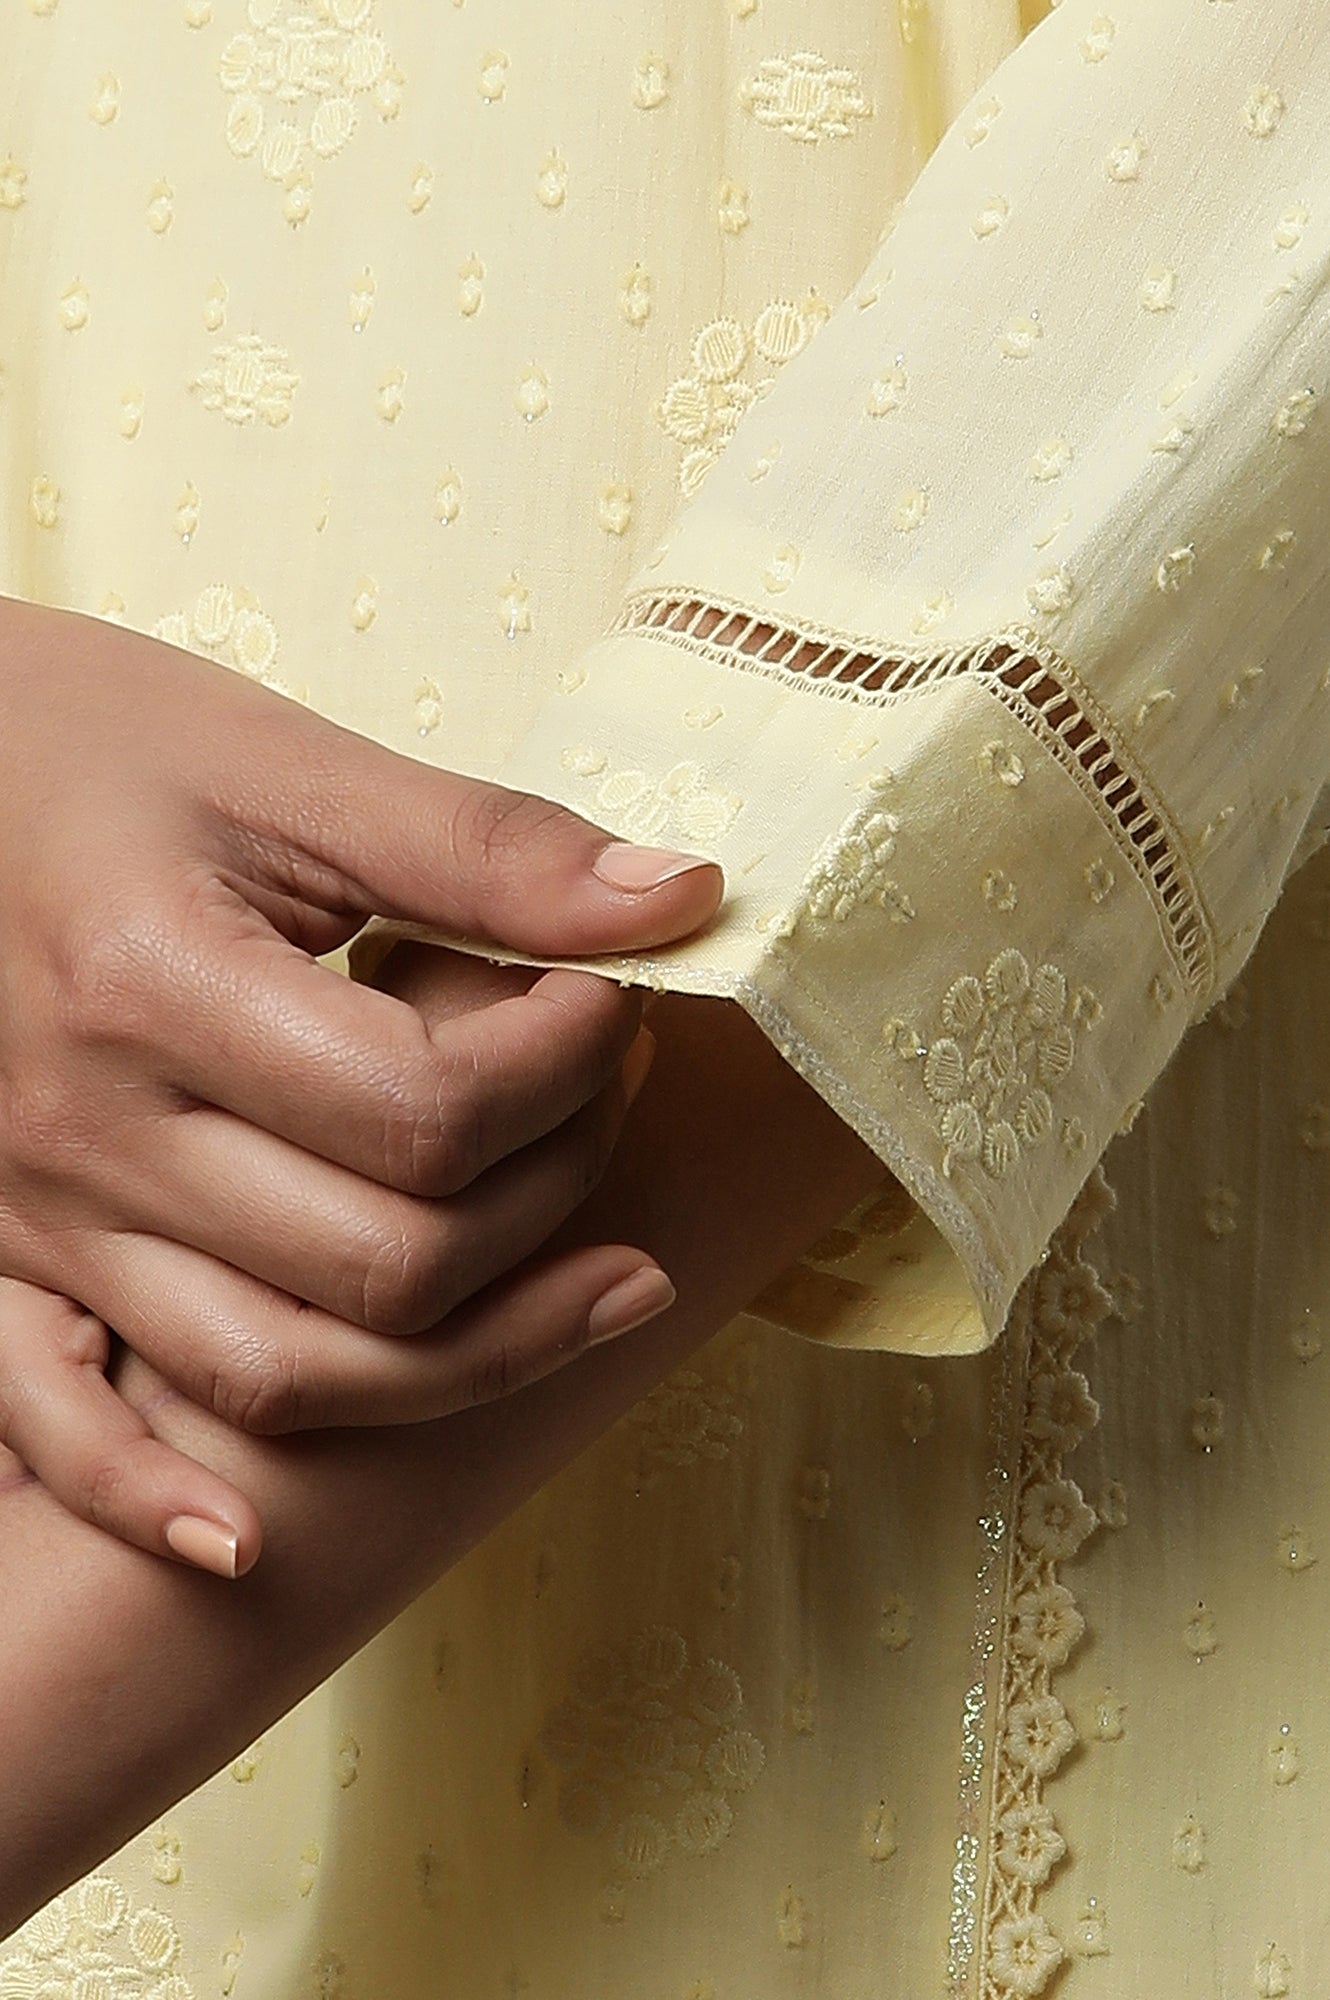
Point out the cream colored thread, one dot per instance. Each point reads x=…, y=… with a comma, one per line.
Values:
x=1017, y=667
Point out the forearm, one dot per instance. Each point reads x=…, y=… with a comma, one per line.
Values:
x=127, y=1680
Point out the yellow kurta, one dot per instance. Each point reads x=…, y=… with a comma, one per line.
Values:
x=371, y=348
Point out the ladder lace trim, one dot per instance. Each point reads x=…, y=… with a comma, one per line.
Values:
x=1039, y=689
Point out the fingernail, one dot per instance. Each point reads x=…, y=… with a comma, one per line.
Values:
x=639, y=868
x=637, y=1062
x=632, y=1302
x=203, y=1543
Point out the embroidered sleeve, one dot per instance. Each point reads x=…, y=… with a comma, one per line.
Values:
x=990, y=657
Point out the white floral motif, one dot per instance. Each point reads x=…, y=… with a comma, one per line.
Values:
x=731, y=367
x=1010, y=1038
x=638, y=806
x=1055, y=1312
x=806, y=97
x=683, y=1420
x=850, y=870
x=647, y=1729
x=249, y=379
x=228, y=626
x=92, y=1942
x=294, y=77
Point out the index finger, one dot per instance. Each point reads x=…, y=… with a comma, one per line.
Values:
x=364, y=1079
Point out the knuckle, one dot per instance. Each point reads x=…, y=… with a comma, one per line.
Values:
x=401, y=1283
x=435, y=1140
x=105, y=982
x=102, y=1491
x=263, y=1397
x=493, y=827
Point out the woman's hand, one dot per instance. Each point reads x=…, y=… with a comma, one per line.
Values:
x=233, y=1156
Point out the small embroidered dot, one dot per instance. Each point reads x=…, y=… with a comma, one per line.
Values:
x=1089, y=1934
x=918, y=1415
x=448, y=498
x=74, y=306
x=1175, y=569
x=1189, y=1846
x=651, y=82
x=783, y=567
x=347, y=1762
x=932, y=612
x=1000, y=892
x=1277, y=551
x=471, y=286
x=421, y=191
x=307, y=1873
x=1207, y=1423
x=985, y=116
x=1161, y=698
x=991, y=216
x=1239, y=692
x=131, y=412
x=428, y=704
x=493, y=79
x=44, y=501
x=878, y=1837
x=365, y=604
x=1052, y=592
x=569, y=679
x=166, y=1864
x=1199, y=1635
x=614, y=509
x=552, y=181
x=1293, y=417
x=1262, y=111
x=533, y=393
x=161, y=207
x=910, y=510
x=360, y=304
x=1282, y=1759
x=887, y=392
x=187, y=511
x=763, y=464
x=1219, y=1211
x=104, y=107
x=1099, y=880
x=1274, y=1975
x=896, y=1623
x=1157, y=288
x=1051, y=460
x=1289, y=228
x=388, y=398
x=792, y=1921
x=732, y=207
x=1003, y=763
x=1097, y=42
x=514, y=607
x=214, y=306
x=1124, y=161
x=13, y=183
x=1018, y=341
x=196, y=13
x=635, y=296
x=1177, y=437
x=1112, y=1508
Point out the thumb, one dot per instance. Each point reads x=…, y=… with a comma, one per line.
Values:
x=404, y=839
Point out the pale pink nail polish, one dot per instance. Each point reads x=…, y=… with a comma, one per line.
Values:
x=630, y=1303
x=204, y=1544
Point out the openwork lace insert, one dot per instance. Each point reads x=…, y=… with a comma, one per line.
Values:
x=1039, y=689
x=1015, y=1726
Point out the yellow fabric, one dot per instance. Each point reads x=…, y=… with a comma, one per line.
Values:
x=369, y=348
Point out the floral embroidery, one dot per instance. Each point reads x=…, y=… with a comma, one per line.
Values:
x=683, y=1420
x=640, y=807
x=93, y=1942
x=294, y=78
x=649, y=1729
x=249, y=380
x=230, y=627
x=806, y=97
x=850, y=870
x=1010, y=1038
x=731, y=367
x=1057, y=1309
